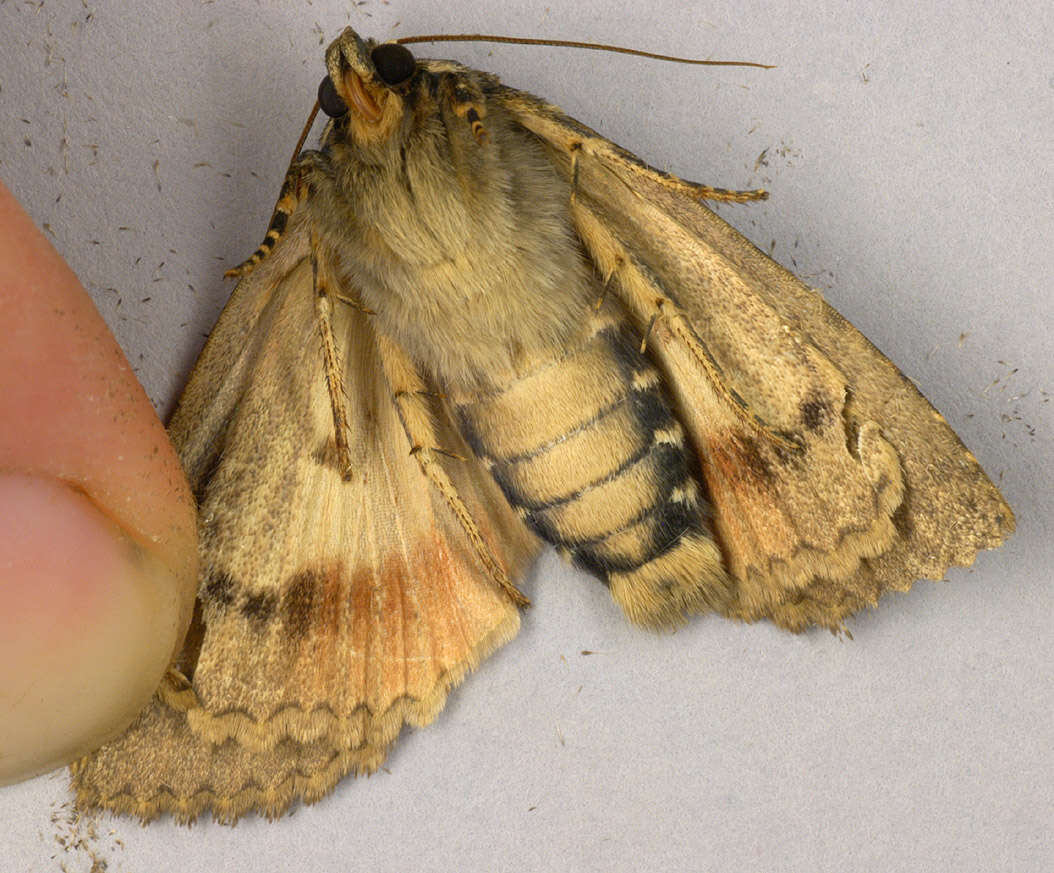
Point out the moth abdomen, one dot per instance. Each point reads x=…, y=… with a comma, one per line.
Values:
x=588, y=450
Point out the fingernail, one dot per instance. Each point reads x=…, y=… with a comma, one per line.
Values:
x=88, y=624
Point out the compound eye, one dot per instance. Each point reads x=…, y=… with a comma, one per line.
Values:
x=329, y=100
x=394, y=63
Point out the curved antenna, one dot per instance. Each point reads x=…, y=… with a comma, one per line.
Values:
x=570, y=43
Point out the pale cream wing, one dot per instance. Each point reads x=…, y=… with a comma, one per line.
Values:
x=832, y=478
x=330, y=612
x=335, y=609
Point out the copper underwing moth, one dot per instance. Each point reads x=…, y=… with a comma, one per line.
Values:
x=476, y=326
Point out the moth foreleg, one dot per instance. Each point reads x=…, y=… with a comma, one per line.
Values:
x=650, y=303
x=409, y=391
x=323, y=286
x=292, y=194
x=595, y=146
x=353, y=302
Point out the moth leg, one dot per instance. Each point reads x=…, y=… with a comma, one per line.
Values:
x=409, y=390
x=353, y=302
x=331, y=357
x=571, y=137
x=293, y=192
x=708, y=192
x=692, y=189
x=649, y=302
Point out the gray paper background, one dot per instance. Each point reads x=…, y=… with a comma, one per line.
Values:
x=909, y=156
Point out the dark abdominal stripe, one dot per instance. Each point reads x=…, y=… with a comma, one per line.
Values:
x=592, y=456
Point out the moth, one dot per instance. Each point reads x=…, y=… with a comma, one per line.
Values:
x=475, y=327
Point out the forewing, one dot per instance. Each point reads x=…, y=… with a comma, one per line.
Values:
x=335, y=608
x=330, y=612
x=832, y=478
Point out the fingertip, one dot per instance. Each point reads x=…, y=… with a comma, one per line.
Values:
x=95, y=601
x=88, y=622
x=71, y=405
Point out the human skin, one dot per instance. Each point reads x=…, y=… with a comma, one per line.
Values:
x=98, y=556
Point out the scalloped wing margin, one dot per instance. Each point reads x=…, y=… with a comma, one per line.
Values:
x=330, y=612
x=832, y=478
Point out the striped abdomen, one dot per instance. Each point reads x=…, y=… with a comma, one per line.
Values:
x=588, y=450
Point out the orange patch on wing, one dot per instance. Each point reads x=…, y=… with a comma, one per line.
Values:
x=742, y=491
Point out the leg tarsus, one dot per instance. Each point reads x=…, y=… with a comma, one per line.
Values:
x=408, y=390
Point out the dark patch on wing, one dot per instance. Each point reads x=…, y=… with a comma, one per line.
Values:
x=259, y=607
x=815, y=412
x=749, y=456
x=325, y=455
x=298, y=602
x=219, y=589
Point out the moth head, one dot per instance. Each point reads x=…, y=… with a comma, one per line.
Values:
x=366, y=84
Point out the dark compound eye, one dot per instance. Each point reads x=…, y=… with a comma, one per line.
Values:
x=394, y=63
x=329, y=100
